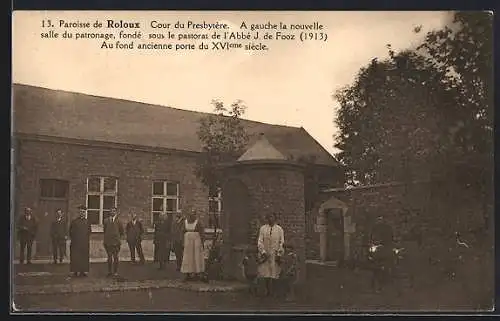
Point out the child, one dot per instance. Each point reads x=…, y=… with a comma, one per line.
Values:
x=249, y=265
x=288, y=274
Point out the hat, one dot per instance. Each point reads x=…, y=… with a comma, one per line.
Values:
x=82, y=207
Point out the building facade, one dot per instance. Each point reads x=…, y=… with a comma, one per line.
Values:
x=71, y=149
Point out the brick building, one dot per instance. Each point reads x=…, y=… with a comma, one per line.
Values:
x=263, y=181
x=71, y=149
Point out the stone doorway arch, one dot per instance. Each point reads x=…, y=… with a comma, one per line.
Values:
x=330, y=207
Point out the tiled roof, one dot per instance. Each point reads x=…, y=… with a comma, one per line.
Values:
x=57, y=113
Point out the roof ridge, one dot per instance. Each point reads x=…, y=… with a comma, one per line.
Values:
x=201, y=113
x=317, y=143
x=48, y=118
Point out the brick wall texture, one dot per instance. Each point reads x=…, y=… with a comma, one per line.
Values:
x=269, y=189
x=272, y=188
x=135, y=171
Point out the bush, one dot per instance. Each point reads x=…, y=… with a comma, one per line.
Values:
x=214, y=261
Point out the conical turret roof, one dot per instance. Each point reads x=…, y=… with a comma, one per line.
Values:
x=262, y=149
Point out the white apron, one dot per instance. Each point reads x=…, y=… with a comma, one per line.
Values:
x=193, y=260
x=271, y=240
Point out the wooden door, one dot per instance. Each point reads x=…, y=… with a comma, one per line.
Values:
x=53, y=196
x=335, y=234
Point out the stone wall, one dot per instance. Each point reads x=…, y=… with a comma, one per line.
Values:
x=428, y=213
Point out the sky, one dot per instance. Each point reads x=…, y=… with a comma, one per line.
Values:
x=291, y=84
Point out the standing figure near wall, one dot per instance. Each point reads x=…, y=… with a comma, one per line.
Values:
x=135, y=231
x=270, y=245
x=113, y=233
x=58, y=236
x=381, y=243
x=79, y=250
x=156, y=237
x=289, y=272
x=193, y=258
x=26, y=230
x=177, y=239
x=163, y=240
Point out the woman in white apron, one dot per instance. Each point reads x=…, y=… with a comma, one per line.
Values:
x=270, y=245
x=193, y=259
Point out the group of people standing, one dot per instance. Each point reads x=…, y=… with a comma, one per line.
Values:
x=267, y=265
x=27, y=228
x=183, y=236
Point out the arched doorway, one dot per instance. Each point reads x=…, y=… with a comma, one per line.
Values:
x=335, y=228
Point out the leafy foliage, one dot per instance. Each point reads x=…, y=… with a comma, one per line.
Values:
x=422, y=112
x=223, y=139
x=466, y=55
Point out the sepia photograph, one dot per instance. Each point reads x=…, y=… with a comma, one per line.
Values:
x=252, y=162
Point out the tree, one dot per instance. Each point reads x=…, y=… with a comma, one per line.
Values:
x=391, y=119
x=464, y=51
x=223, y=139
x=420, y=112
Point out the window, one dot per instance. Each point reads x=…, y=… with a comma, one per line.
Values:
x=165, y=199
x=102, y=195
x=53, y=188
x=214, y=207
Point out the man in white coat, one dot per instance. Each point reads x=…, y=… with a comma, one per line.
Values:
x=270, y=245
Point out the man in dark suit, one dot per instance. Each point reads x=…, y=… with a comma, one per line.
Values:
x=177, y=236
x=58, y=235
x=382, y=243
x=26, y=229
x=113, y=232
x=165, y=228
x=135, y=231
x=156, y=238
x=79, y=248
